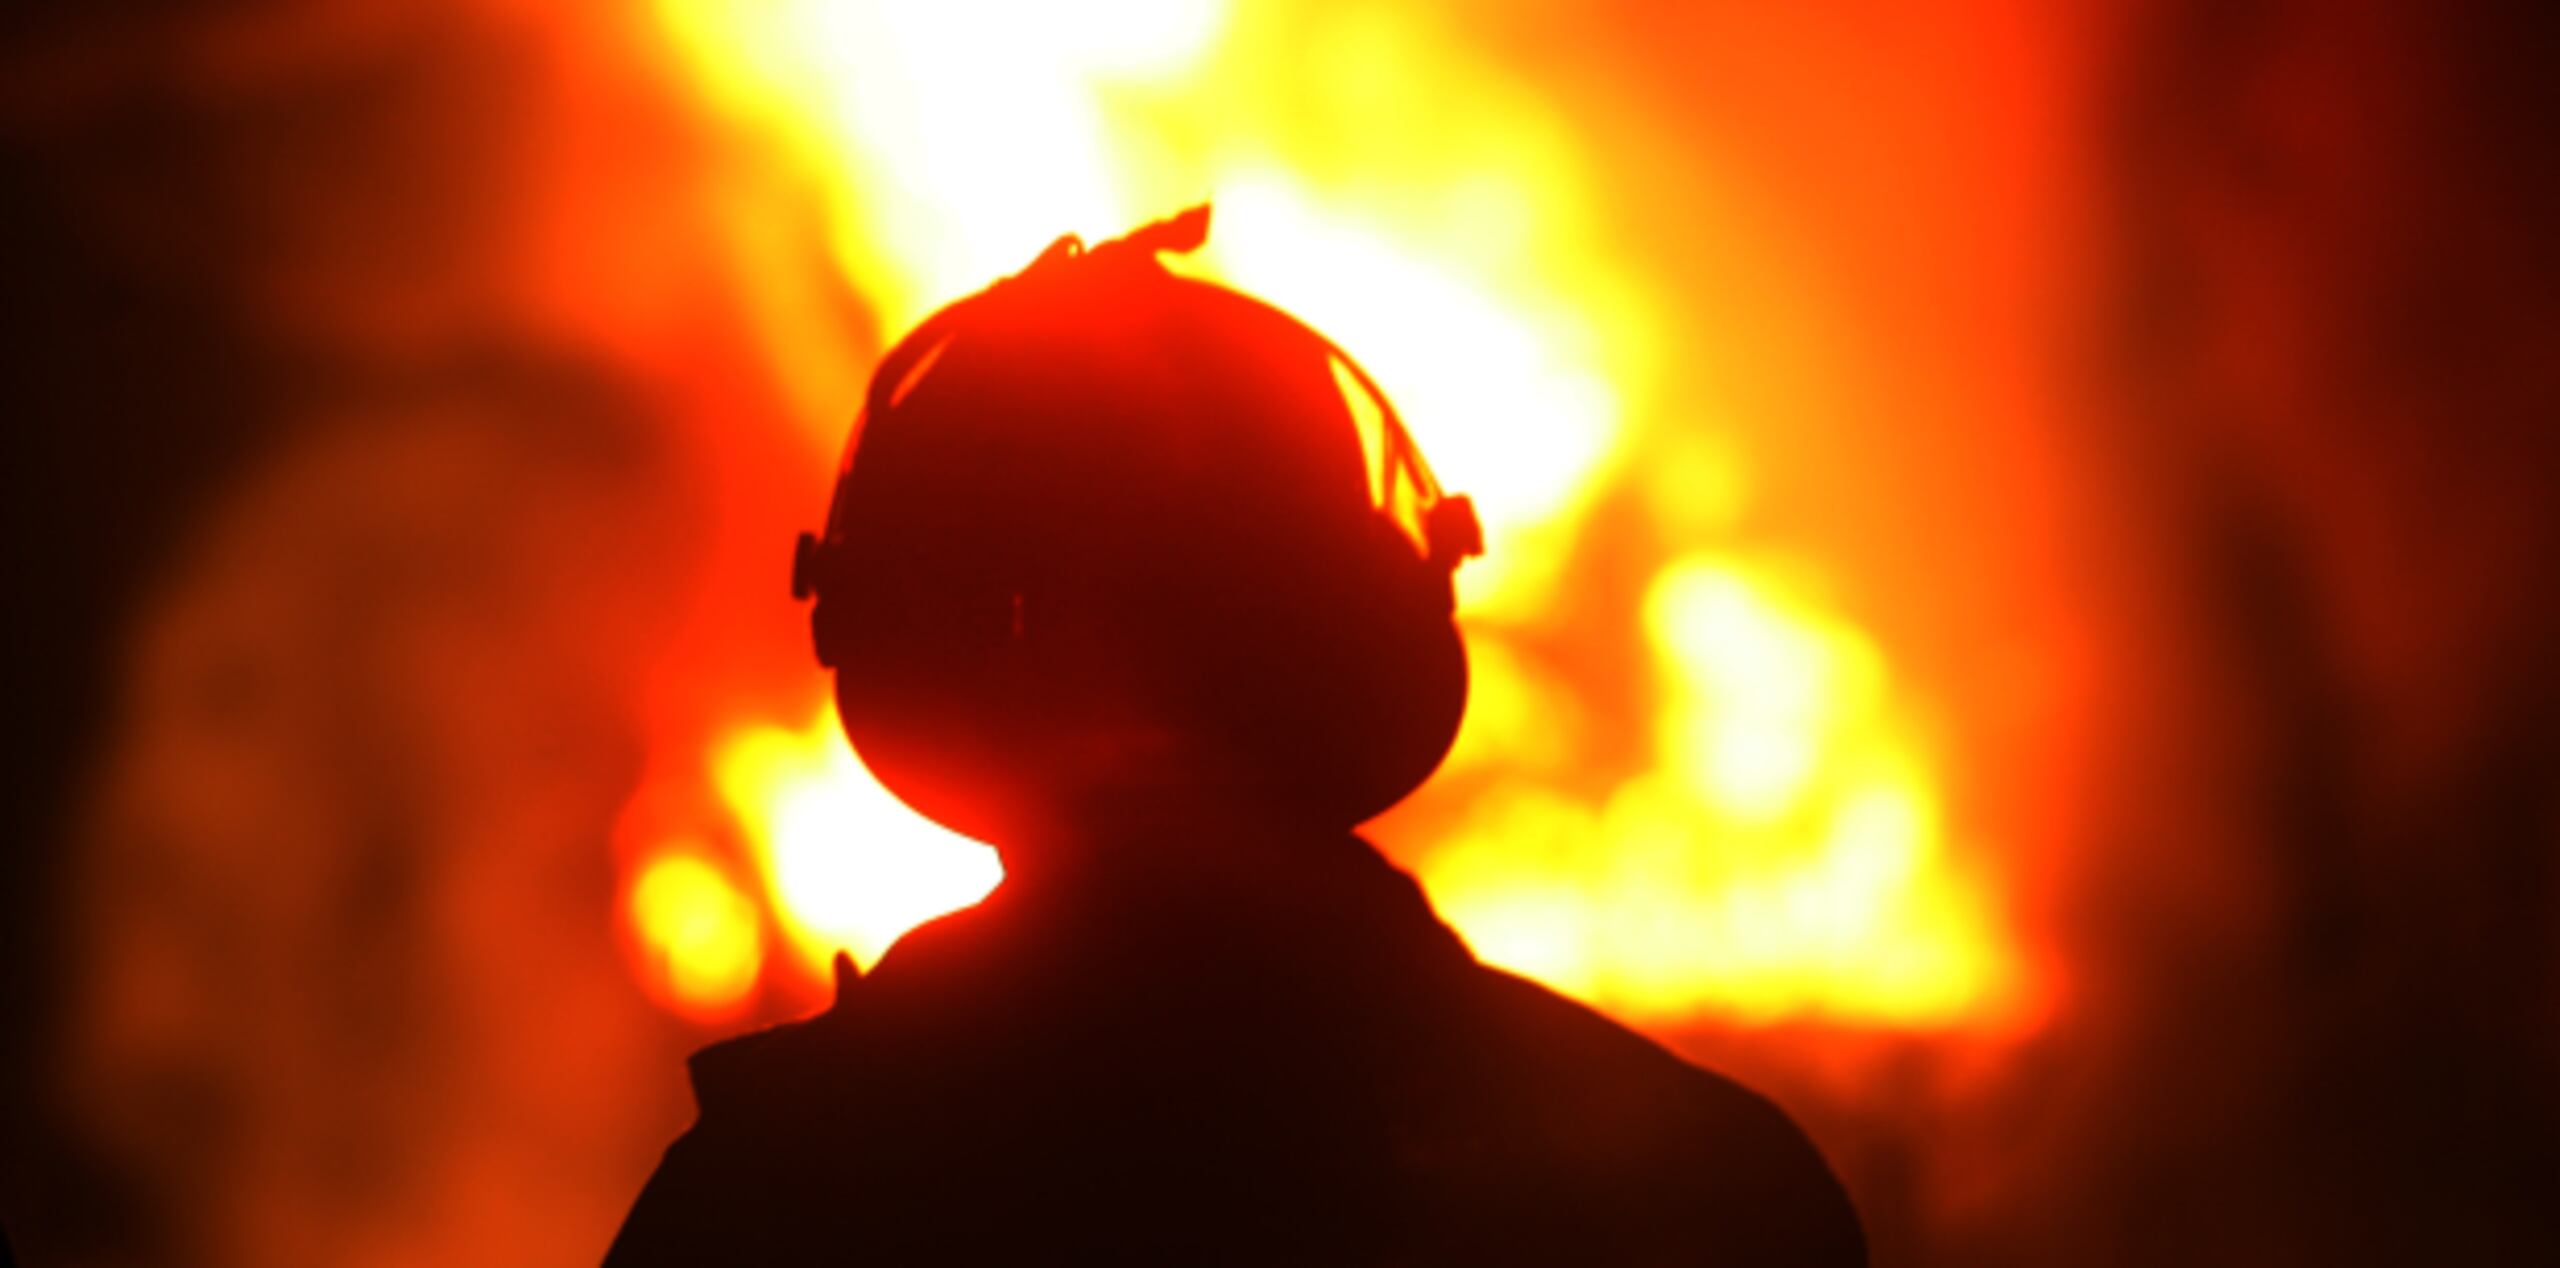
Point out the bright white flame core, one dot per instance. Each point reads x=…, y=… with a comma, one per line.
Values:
x=849, y=865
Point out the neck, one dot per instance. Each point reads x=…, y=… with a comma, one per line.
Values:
x=1181, y=844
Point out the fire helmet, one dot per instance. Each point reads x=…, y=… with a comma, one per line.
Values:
x=1110, y=543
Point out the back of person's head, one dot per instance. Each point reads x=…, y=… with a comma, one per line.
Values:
x=1112, y=545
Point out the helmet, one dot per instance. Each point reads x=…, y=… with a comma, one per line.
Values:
x=1109, y=542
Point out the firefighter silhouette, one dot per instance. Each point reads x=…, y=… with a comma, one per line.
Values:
x=1142, y=581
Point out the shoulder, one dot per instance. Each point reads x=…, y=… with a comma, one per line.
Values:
x=789, y=1067
x=732, y=1076
x=1690, y=1150
x=1551, y=1029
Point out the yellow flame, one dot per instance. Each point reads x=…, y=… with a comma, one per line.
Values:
x=1760, y=692
x=1783, y=854
x=849, y=866
x=702, y=935
x=1487, y=380
x=959, y=138
x=962, y=135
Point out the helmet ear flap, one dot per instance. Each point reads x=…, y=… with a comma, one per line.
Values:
x=813, y=561
x=1370, y=693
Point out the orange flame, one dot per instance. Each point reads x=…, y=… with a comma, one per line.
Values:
x=1783, y=853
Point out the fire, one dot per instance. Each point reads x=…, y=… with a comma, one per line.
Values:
x=704, y=935
x=1783, y=851
x=846, y=866
x=1784, y=856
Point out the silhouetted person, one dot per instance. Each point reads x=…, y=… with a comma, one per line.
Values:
x=1141, y=581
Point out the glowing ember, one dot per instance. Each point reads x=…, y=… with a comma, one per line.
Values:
x=1782, y=850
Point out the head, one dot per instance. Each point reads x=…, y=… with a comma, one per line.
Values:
x=1113, y=547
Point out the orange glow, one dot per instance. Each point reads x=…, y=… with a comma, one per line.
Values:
x=1782, y=851
x=703, y=937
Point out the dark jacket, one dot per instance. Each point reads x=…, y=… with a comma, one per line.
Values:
x=1196, y=1061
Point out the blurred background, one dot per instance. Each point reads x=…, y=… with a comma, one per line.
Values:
x=2021, y=616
